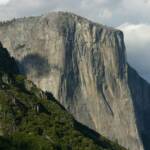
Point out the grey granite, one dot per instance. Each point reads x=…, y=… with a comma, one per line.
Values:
x=83, y=64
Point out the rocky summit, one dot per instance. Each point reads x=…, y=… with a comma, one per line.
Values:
x=84, y=65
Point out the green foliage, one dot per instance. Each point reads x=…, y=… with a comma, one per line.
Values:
x=30, y=122
x=33, y=120
x=24, y=142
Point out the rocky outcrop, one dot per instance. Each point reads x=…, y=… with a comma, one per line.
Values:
x=83, y=64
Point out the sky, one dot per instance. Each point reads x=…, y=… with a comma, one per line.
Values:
x=130, y=16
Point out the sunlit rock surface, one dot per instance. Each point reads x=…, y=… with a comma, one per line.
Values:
x=83, y=64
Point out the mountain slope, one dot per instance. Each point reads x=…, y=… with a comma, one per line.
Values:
x=84, y=65
x=140, y=90
x=33, y=120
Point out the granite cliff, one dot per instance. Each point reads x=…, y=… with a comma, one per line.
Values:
x=84, y=65
x=31, y=119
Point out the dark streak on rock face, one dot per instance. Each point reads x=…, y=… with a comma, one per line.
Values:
x=36, y=63
x=71, y=70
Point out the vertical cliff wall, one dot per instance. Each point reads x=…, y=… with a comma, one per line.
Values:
x=83, y=64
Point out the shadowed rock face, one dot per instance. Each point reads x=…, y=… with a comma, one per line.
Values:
x=83, y=64
x=140, y=91
x=7, y=63
x=34, y=63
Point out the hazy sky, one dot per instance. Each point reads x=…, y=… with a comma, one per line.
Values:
x=131, y=16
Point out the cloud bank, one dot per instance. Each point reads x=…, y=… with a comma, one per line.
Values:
x=111, y=12
x=4, y=2
x=137, y=39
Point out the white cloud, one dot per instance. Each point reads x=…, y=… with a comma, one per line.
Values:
x=105, y=14
x=111, y=12
x=4, y=2
x=137, y=39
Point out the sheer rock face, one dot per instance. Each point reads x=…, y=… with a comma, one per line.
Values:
x=83, y=64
